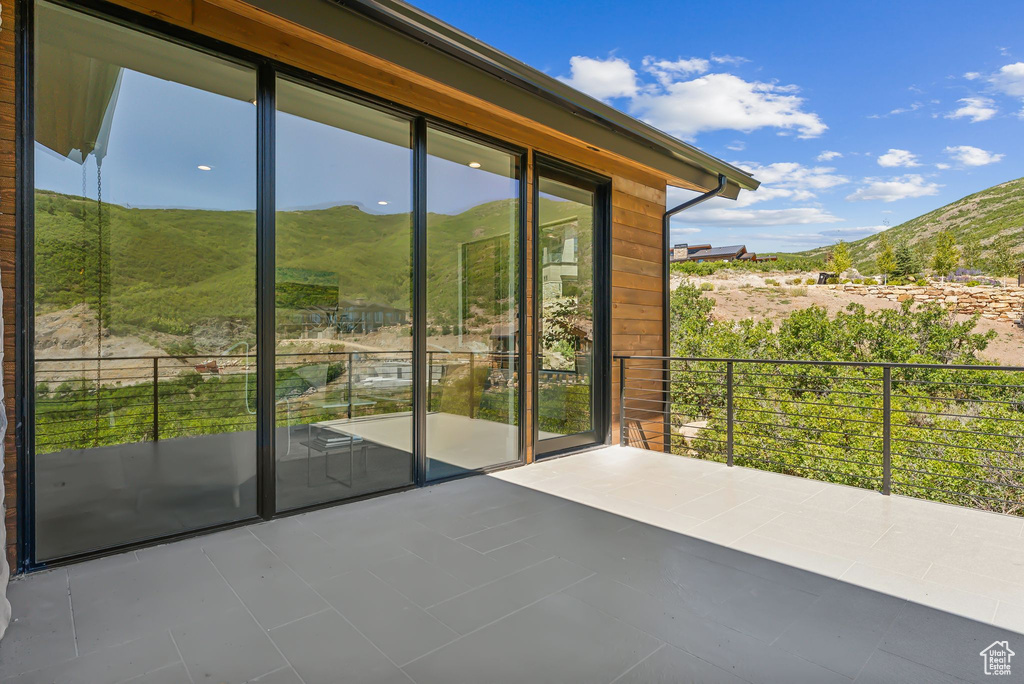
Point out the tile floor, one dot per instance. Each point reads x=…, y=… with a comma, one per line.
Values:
x=617, y=565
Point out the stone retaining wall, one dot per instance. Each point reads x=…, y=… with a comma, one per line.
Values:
x=997, y=303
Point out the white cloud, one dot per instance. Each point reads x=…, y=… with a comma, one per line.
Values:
x=734, y=60
x=972, y=75
x=602, y=78
x=1009, y=79
x=900, y=187
x=973, y=156
x=942, y=166
x=685, y=231
x=895, y=157
x=793, y=175
x=720, y=216
x=974, y=108
x=724, y=101
x=666, y=71
x=821, y=236
x=736, y=146
x=829, y=155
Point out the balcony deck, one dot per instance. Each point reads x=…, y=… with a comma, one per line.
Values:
x=614, y=565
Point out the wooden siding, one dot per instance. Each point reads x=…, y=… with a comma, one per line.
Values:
x=7, y=165
x=638, y=192
x=638, y=203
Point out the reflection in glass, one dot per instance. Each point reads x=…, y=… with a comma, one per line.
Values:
x=472, y=305
x=343, y=397
x=565, y=226
x=145, y=263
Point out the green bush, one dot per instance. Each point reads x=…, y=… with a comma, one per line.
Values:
x=952, y=433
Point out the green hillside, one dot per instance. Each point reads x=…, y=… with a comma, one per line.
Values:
x=168, y=270
x=989, y=223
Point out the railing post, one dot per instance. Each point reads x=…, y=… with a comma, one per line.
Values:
x=886, y=430
x=623, y=441
x=472, y=383
x=430, y=379
x=156, y=399
x=729, y=423
x=349, y=379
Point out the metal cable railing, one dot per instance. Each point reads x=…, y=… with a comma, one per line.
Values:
x=87, y=402
x=952, y=433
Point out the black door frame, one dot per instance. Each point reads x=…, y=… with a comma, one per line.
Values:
x=601, y=186
x=267, y=71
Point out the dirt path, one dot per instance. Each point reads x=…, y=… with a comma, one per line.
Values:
x=743, y=295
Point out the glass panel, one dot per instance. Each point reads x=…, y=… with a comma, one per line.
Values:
x=472, y=305
x=344, y=298
x=145, y=288
x=565, y=226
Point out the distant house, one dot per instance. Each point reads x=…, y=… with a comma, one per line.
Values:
x=700, y=253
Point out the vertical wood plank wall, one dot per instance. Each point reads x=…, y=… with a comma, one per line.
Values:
x=7, y=166
x=638, y=203
x=638, y=193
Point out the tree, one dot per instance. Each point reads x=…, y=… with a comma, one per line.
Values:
x=906, y=260
x=886, y=259
x=1007, y=264
x=839, y=259
x=947, y=255
x=970, y=252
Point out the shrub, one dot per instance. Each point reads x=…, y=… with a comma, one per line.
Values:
x=771, y=281
x=706, y=287
x=810, y=281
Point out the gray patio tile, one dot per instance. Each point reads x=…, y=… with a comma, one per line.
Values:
x=142, y=598
x=102, y=564
x=886, y=668
x=558, y=639
x=786, y=575
x=488, y=603
x=737, y=653
x=943, y=641
x=325, y=649
x=41, y=631
x=172, y=674
x=515, y=557
x=842, y=628
x=500, y=535
x=227, y=648
x=396, y=625
x=763, y=609
x=305, y=552
x=421, y=581
x=457, y=559
x=451, y=525
x=283, y=676
x=670, y=665
x=267, y=587
x=111, y=665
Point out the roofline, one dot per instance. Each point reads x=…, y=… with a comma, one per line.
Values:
x=444, y=37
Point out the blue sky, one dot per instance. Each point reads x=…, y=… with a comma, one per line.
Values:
x=853, y=115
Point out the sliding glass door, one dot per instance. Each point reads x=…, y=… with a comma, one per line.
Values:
x=472, y=285
x=343, y=298
x=570, y=345
x=144, y=284
x=228, y=315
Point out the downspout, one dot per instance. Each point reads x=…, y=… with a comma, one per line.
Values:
x=666, y=258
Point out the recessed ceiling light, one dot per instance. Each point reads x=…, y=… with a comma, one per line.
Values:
x=204, y=167
x=382, y=203
x=474, y=165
